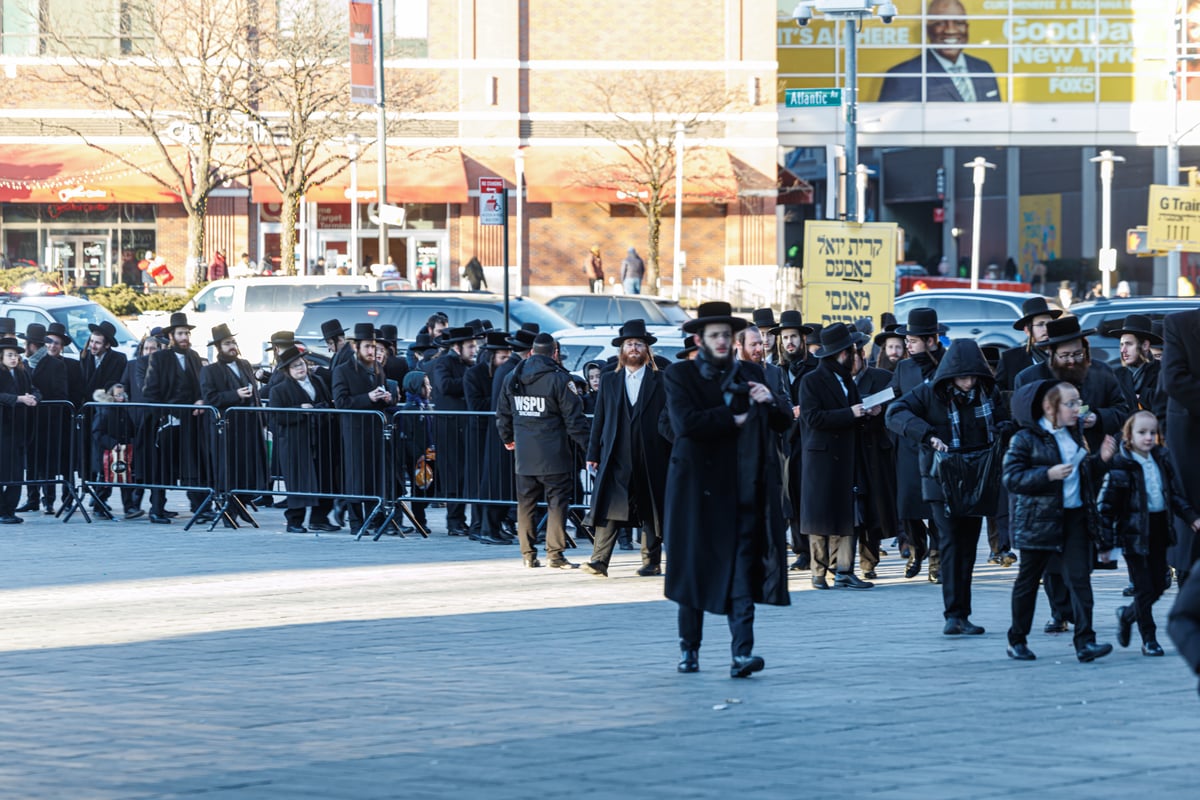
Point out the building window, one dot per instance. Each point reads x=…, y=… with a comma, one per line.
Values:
x=406, y=28
x=74, y=27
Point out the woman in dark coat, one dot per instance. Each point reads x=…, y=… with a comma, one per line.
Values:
x=1052, y=479
x=305, y=445
x=956, y=412
x=18, y=397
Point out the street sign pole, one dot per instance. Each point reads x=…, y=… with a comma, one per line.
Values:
x=493, y=210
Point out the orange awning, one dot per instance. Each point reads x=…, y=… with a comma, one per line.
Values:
x=77, y=173
x=430, y=175
x=608, y=175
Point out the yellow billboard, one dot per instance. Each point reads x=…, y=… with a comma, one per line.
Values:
x=990, y=51
x=849, y=270
x=1173, y=218
x=1040, y=230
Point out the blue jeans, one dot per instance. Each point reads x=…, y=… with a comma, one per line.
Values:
x=632, y=285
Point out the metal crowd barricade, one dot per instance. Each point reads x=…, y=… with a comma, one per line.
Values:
x=148, y=446
x=49, y=451
x=315, y=461
x=457, y=457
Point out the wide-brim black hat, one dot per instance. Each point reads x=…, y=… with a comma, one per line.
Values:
x=8, y=328
x=456, y=336
x=763, y=318
x=364, y=332
x=388, y=334
x=889, y=332
x=835, y=338
x=283, y=339
x=331, y=329
x=791, y=320
x=1139, y=326
x=289, y=356
x=1035, y=307
x=922, y=322
x=423, y=342
x=11, y=343
x=711, y=313
x=689, y=347
x=107, y=330
x=1064, y=329
x=178, y=320
x=634, y=329
x=495, y=340
x=522, y=340
x=35, y=333
x=59, y=330
x=220, y=334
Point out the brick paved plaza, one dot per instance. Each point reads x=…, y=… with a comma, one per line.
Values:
x=144, y=662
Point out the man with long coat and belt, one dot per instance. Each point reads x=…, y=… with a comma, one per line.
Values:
x=724, y=528
x=628, y=454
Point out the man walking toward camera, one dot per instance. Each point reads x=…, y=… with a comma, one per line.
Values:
x=724, y=522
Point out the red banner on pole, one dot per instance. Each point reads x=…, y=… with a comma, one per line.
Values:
x=362, y=53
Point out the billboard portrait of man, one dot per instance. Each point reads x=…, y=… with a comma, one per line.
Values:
x=951, y=76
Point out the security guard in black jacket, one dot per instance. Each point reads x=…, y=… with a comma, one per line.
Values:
x=538, y=417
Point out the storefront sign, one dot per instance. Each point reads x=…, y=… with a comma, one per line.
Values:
x=849, y=270
x=362, y=52
x=81, y=193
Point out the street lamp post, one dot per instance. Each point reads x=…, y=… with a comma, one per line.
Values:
x=853, y=13
x=519, y=165
x=1108, y=256
x=677, y=273
x=352, y=250
x=980, y=166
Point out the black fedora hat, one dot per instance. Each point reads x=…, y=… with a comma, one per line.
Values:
x=712, y=312
x=889, y=332
x=283, y=339
x=1064, y=329
x=1156, y=328
x=364, y=332
x=1139, y=326
x=220, y=334
x=107, y=330
x=477, y=326
x=495, y=340
x=388, y=334
x=922, y=322
x=1035, y=307
x=287, y=357
x=455, y=336
x=178, y=320
x=35, y=333
x=816, y=329
x=634, y=329
x=791, y=320
x=331, y=329
x=888, y=320
x=763, y=318
x=689, y=347
x=422, y=343
x=522, y=340
x=59, y=330
x=11, y=343
x=8, y=327
x=835, y=338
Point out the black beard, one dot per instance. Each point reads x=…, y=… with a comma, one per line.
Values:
x=717, y=361
x=1074, y=374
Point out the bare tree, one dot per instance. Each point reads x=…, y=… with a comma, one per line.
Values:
x=643, y=111
x=301, y=97
x=172, y=69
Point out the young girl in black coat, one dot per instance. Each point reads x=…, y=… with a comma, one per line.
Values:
x=1137, y=498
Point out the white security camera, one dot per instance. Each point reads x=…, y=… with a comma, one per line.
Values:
x=886, y=12
x=803, y=14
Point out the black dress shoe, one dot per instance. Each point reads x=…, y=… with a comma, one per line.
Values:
x=48, y=510
x=848, y=580
x=170, y=514
x=157, y=520
x=297, y=529
x=136, y=513
x=531, y=561
x=870, y=575
x=953, y=627
x=32, y=505
x=649, y=570
x=913, y=568
x=489, y=539
x=1124, y=628
x=745, y=666
x=971, y=629
x=560, y=563
x=1021, y=652
x=456, y=532
x=1091, y=651
x=323, y=527
x=1056, y=625
x=598, y=569
x=799, y=565
x=10, y=519
x=1152, y=648
x=1128, y=591
x=689, y=661
x=819, y=582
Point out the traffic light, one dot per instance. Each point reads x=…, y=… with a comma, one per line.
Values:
x=1137, y=242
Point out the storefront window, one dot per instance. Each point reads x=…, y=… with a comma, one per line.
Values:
x=21, y=248
x=20, y=212
x=85, y=213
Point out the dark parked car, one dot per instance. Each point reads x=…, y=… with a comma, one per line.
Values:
x=985, y=315
x=1107, y=315
x=408, y=311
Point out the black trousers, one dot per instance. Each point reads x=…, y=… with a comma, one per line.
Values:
x=158, y=500
x=1076, y=573
x=868, y=548
x=799, y=540
x=606, y=537
x=10, y=495
x=317, y=513
x=740, y=607
x=558, y=490
x=831, y=553
x=917, y=535
x=958, y=539
x=1149, y=574
x=999, y=540
x=129, y=499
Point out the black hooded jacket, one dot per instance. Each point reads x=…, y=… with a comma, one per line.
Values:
x=542, y=414
x=1037, y=516
x=924, y=413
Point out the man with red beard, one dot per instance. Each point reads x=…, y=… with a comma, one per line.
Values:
x=889, y=348
x=1068, y=359
x=627, y=453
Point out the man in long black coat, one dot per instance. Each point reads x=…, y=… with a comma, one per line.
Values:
x=358, y=385
x=478, y=386
x=447, y=376
x=831, y=411
x=228, y=383
x=306, y=445
x=723, y=527
x=627, y=454
x=102, y=364
x=795, y=362
x=498, y=461
x=925, y=352
x=878, y=457
x=48, y=440
x=1180, y=382
x=180, y=450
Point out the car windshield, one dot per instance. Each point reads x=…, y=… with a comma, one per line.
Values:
x=673, y=312
x=76, y=320
x=526, y=311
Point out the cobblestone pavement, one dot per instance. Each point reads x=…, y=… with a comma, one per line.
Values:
x=140, y=661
